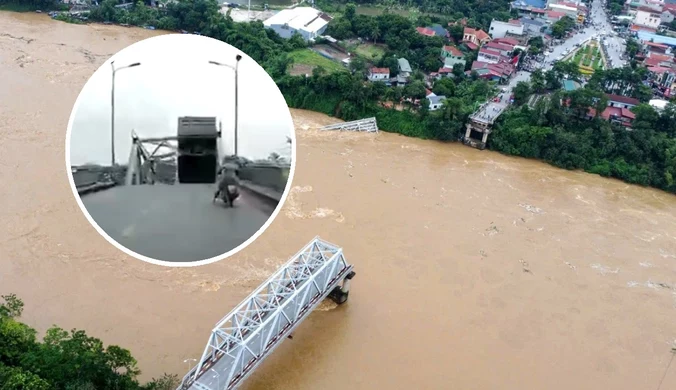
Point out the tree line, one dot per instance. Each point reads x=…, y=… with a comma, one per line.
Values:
x=63, y=360
x=562, y=130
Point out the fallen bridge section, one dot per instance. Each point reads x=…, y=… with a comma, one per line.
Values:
x=248, y=334
x=369, y=125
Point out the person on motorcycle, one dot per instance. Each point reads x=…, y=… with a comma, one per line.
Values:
x=228, y=177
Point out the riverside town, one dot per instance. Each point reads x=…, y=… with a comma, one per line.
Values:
x=508, y=200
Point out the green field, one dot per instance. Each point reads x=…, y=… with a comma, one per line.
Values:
x=311, y=59
x=370, y=51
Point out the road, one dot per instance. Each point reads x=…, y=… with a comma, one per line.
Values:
x=175, y=223
x=600, y=23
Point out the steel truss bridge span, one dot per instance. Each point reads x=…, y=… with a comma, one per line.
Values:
x=249, y=333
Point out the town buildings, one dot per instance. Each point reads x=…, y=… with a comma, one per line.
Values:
x=309, y=22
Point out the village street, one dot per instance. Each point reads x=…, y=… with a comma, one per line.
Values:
x=598, y=15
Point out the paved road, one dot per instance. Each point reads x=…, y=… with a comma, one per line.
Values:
x=176, y=223
x=598, y=16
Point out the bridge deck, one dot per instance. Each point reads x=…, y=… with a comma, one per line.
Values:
x=175, y=222
x=249, y=333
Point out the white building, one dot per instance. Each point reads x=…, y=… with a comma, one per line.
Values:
x=647, y=17
x=499, y=29
x=306, y=21
x=379, y=74
x=571, y=12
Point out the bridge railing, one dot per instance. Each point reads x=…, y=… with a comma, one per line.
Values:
x=242, y=339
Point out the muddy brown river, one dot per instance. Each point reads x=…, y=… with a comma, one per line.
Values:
x=474, y=270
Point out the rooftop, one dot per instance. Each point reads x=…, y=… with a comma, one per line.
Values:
x=425, y=31
x=453, y=50
x=623, y=99
x=300, y=18
x=404, y=66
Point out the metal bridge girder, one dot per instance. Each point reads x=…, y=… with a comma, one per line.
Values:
x=241, y=340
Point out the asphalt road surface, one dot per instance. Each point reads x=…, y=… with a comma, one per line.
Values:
x=598, y=16
x=176, y=223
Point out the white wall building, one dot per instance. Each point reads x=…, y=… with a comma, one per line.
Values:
x=571, y=12
x=647, y=18
x=499, y=29
x=310, y=23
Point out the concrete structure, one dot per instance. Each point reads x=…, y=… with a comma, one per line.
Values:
x=309, y=22
x=479, y=126
x=245, y=337
x=379, y=74
x=500, y=29
x=176, y=223
x=451, y=55
x=647, y=17
x=404, y=71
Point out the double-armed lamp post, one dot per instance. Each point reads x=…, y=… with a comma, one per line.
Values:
x=112, y=107
x=235, y=69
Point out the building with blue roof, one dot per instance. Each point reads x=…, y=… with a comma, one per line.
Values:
x=650, y=37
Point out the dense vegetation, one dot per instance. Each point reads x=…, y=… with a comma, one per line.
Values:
x=477, y=13
x=63, y=360
x=551, y=131
x=557, y=129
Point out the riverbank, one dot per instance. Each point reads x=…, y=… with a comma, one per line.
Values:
x=559, y=270
x=558, y=145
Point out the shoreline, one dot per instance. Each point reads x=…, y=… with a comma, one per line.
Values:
x=374, y=112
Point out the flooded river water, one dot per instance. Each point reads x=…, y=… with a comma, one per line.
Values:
x=474, y=270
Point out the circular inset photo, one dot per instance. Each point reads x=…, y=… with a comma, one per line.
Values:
x=180, y=150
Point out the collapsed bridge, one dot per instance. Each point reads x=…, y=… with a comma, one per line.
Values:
x=248, y=334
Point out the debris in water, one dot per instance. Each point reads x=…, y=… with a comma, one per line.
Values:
x=525, y=267
x=570, y=265
x=603, y=270
x=491, y=231
x=532, y=209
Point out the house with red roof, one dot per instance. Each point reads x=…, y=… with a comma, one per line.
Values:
x=554, y=16
x=659, y=48
x=379, y=74
x=451, y=55
x=474, y=38
x=668, y=13
x=620, y=116
x=506, y=41
x=428, y=32
x=493, y=72
x=656, y=59
x=504, y=50
x=620, y=101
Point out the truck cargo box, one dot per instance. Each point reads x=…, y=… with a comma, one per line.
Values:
x=197, y=149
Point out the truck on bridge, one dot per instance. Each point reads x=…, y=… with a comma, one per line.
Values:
x=198, y=152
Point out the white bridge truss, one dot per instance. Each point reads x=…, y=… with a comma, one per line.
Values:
x=249, y=333
x=369, y=125
x=142, y=163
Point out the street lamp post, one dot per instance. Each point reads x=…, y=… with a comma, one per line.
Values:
x=236, y=70
x=112, y=107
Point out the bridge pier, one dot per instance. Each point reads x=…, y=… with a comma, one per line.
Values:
x=340, y=293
